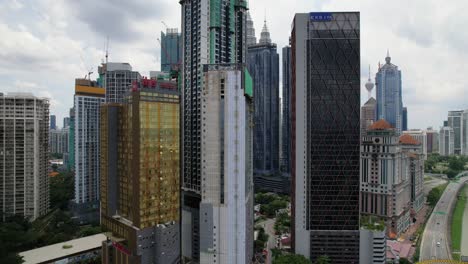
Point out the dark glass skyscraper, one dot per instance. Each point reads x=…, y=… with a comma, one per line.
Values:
x=53, y=122
x=285, y=162
x=263, y=64
x=404, y=119
x=171, y=49
x=325, y=135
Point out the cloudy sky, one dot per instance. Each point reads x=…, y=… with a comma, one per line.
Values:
x=46, y=44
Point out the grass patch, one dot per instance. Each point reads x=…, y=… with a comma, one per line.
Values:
x=457, y=221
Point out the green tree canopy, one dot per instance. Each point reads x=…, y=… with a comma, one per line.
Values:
x=291, y=259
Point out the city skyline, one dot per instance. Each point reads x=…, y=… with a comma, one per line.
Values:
x=43, y=42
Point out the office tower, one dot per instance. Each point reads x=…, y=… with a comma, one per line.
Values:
x=404, y=119
x=213, y=32
x=368, y=115
x=53, y=122
x=58, y=141
x=140, y=175
x=285, y=162
x=251, y=39
x=226, y=209
x=117, y=78
x=326, y=135
x=421, y=136
x=455, y=122
x=446, y=141
x=373, y=241
x=413, y=149
x=171, y=49
x=66, y=122
x=24, y=133
x=432, y=140
x=386, y=190
x=88, y=99
x=389, y=99
x=263, y=64
x=71, y=142
x=464, y=133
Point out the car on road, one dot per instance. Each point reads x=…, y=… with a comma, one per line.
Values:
x=438, y=243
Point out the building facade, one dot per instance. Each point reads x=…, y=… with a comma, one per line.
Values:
x=226, y=209
x=58, y=141
x=446, y=141
x=263, y=64
x=389, y=95
x=404, y=119
x=213, y=32
x=70, y=160
x=432, y=141
x=171, y=49
x=326, y=135
x=421, y=136
x=373, y=241
x=140, y=168
x=368, y=115
x=285, y=159
x=24, y=133
x=117, y=78
x=455, y=120
x=391, y=177
x=88, y=99
x=66, y=122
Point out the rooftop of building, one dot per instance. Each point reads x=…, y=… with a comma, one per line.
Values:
x=62, y=250
x=22, y=95
x=407, y=139
x=380, y=125
x=372, y=223
x=371, y=101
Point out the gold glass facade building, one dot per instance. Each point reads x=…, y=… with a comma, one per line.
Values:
x=140, y=175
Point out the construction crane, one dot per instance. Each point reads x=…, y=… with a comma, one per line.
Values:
x=164, y=24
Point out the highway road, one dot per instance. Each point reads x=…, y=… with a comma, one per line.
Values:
x=439, y=224
x=434, y=182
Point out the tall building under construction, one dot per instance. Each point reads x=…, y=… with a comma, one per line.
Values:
x=140, y=189
x=24, y=136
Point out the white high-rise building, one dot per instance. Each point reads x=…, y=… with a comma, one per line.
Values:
x=446, y=141
x=24, y=135
x=88, y=99
x=58, y=140
x=455, y=122
x=226, y=209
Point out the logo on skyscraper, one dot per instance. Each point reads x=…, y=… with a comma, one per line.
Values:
x=321, y=16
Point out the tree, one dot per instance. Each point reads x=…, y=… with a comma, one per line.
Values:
x=61, y=190
x=291, y=259
x=404, y=261
x=323, y=260
x=456, y=164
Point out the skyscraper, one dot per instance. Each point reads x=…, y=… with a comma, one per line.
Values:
x=71, y=142
x=263, y=64
x=455, y=122
x=117, y=79
x=53, y=122
x=140, y=175
x=24, y=135
x=326, y=135
x=226, y=209
x=66, y=122
x=58, y=141
x=446, y=141
x=171, y=49
x=285, y=162
x=389, y=95
x=432, y=140
x=404, y=118
x=251, y=39
x=367, y=115
x=88, y=99
x=213, y=32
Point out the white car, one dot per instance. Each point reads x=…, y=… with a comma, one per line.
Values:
x=438, y=244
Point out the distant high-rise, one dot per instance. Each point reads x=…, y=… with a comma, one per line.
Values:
x=58, y=141
x=171, y=49
x=263, y=64
x=367, y=115
x=24, y=135
x=326, y=135
x=70, y=161
x=88, y=99
x=213, y=32
x=66, y=122
x=53, y=122
x=285, y=162
x=432, y=140
x=455, y=122
x=404, y=119
x=464, y=133
x=116, y=79
x=226, y=209
x=446, y=141
x=421, y=136
x=251, y=39
x=389, y=95
x=140, y=179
